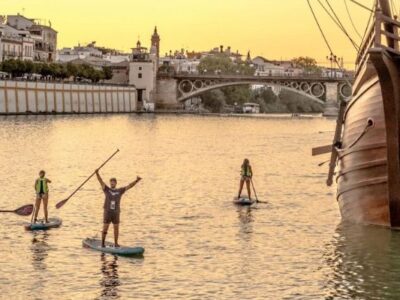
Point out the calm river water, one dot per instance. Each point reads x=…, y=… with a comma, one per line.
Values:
x=198, y=245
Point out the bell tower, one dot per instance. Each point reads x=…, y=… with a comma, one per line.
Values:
x=155, y=42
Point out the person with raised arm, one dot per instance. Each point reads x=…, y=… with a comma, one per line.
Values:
x=112, y=204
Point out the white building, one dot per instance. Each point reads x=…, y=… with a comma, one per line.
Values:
x=266, y=67
x=44, y=36
x=142, y=74
x=15, y=44
x=90, y=51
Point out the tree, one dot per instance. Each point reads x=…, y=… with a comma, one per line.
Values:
x=107, y=73
x=222, y=64
x=72, y=70
x=213, y=100
x=309, y=64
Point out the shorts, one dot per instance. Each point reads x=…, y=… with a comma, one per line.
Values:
x=40, y=195
x=111, y=217
x=246, y=178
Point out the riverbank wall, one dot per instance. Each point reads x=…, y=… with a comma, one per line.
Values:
x=35, y=97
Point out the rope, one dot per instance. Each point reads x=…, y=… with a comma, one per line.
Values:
x=319, y=27
x=361, y=5
x=366, y=28
x=351, y=19
x=342, y=26
x=326, y=40
x=367, y=127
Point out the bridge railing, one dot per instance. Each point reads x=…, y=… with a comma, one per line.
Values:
x=255, y=78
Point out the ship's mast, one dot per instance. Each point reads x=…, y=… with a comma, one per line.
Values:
x=385, y=7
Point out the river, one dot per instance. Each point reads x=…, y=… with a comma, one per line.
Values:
x=198, y=245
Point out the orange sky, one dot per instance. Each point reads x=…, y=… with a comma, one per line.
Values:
x=273, y=28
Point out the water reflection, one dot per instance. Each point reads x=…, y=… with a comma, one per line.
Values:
x=246, y=222
x=40, y=248
x=365, y=263
x=110, y=281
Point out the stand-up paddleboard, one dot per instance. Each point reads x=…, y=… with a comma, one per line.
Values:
x=109, y=248
x=243, y=201
x=42, y=225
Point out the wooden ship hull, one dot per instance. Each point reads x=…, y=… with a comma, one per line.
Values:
x=366, y=147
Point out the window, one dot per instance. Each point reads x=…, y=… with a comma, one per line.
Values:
x=140, y=68
x=140, y=75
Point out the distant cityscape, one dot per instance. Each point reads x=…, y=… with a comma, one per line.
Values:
x=28, y=39
x=28, y=51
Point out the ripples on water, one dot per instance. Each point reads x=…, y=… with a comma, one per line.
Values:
x=198, y=245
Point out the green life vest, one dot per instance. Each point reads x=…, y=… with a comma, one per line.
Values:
x=246, y=171
x=42, y=181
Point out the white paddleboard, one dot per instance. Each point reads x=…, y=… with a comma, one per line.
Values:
x=95, y=244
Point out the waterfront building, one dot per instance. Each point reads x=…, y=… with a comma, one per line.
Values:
x=142, y=74
x=15, y=44
x=44, y=36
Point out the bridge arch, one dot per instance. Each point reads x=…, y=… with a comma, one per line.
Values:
x=199, y=87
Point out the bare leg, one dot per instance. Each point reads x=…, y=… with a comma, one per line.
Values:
x=116, y=234
x=240, y=187
x=104, y=234
x=248, y=188
x=37, y=207
x=45, y=203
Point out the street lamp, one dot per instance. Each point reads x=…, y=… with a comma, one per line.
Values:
x=332, y=59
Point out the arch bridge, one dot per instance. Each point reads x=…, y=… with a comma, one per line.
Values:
x=325, y=90
x=314, y=87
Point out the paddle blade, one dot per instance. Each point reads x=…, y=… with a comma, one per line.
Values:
x=61, y=203
x=25, y=210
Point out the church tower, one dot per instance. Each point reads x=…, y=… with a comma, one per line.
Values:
x=155, y=42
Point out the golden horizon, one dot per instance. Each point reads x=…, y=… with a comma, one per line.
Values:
x=274, y=30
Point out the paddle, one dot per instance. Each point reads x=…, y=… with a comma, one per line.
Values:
x=61, y=203
x=255, y=193
x=25, y=210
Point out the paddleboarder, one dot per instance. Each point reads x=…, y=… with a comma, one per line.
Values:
x=42, y=194
x=112, y=206
x=246, y=174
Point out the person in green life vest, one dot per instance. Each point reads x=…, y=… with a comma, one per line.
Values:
x=42, y=193
x=246, y=174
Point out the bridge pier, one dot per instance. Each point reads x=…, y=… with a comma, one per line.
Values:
x=166, y=93
x=332, y=98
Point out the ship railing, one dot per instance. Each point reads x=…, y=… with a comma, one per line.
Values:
x=378, y=36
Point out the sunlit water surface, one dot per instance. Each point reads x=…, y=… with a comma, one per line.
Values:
x=198, y=245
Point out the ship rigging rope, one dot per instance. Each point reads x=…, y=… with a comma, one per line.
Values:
x=351, y=19
x=337, y=21
x=341, y=26
x=326, y=40
x=366, y=28
x=361, y=5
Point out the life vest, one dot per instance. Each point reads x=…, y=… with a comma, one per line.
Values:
x=43, y=181
x=246, y=171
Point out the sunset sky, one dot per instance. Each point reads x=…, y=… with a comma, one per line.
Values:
x=274, y=29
